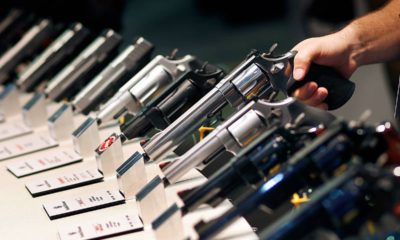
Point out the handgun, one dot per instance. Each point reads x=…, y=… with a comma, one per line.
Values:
x=255, y=161
x=249, y=167
x=259, y=76
x=322, y=157
x=31, y=42
x=243, y=128
x=53, y=57
x=66, y=83
x=145, y=85
x=13, y=26
x=357, y=192
x=107, y=82
x=173, y=102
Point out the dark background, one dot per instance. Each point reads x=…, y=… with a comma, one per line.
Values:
x=219, y=31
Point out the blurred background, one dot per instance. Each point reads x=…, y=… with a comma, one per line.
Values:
x=223, y=32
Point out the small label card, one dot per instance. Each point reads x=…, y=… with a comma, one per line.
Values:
x=13, y=129
x=86, y=138
x=84, y=203
x=9, y=101
x=169, y=224
x=109, y=155
x=35, y=111
x=61, y=123
x=63, y=182
x=107, y=227
x=131, y=175
x=152, y=200
x=43, y=163
x=25, y=144
x=2, y=117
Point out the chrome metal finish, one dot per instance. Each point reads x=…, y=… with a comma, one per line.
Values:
x=52, y=55
x=151, y=86
x=247, y=128
x=144, y=82
x=250, y=82
x=166, y=141
x=86, y=60
x=29, y=42
x=225, y=92
x=125, y=62
x=219, y=139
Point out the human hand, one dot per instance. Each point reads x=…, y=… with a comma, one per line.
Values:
x=333, y=50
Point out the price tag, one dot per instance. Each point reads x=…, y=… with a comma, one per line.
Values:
x=25, y=144
x=43, y=163
x=84, y=203
x=13, y=129
x=63, y=182
x=111, y=226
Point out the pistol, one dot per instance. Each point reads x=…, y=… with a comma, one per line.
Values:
x=243, y=128
x=356, y=192
x=338, y=145
x=249, y=167
x=65, y=83
x=107, y=82
x=259, y=76
x=144, y=86
x=30, y=43
x=13, y=26
x=53, y=57
x=173, y=102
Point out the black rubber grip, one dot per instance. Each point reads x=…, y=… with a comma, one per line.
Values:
x=339, y=88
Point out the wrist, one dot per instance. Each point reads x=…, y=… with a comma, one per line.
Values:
x=355, y=47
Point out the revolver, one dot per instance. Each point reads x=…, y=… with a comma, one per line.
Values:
x=337, y=146
x=13, y=26
x=250, y=167
x=357, y=192
x=144, y=86
x=113, y=76
x=53, y=57
x=243, y=128
x=173, y=102
x=30, y=43
x=259, y=76
x=89, y=61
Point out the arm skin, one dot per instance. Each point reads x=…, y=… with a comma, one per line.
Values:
x=369, y=39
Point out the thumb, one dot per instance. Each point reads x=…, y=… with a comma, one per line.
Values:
x=302, y=63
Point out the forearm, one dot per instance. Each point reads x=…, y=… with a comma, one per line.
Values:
x=376, y=36
x=369, y=39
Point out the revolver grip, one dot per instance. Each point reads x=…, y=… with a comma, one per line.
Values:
x=339, y=88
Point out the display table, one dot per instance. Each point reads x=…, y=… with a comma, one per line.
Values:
x=23, y=216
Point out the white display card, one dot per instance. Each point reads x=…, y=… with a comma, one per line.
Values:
x=63, y=182
x=101, y=228
x=13, y=129
x=43, y=163
x=25, y=144
x=84, y=203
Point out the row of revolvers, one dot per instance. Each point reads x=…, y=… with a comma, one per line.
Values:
x=338, y=172
x=70, y=63
x=284, y=148
x=279, y=146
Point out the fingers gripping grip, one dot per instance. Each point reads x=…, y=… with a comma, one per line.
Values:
x=339, y=88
